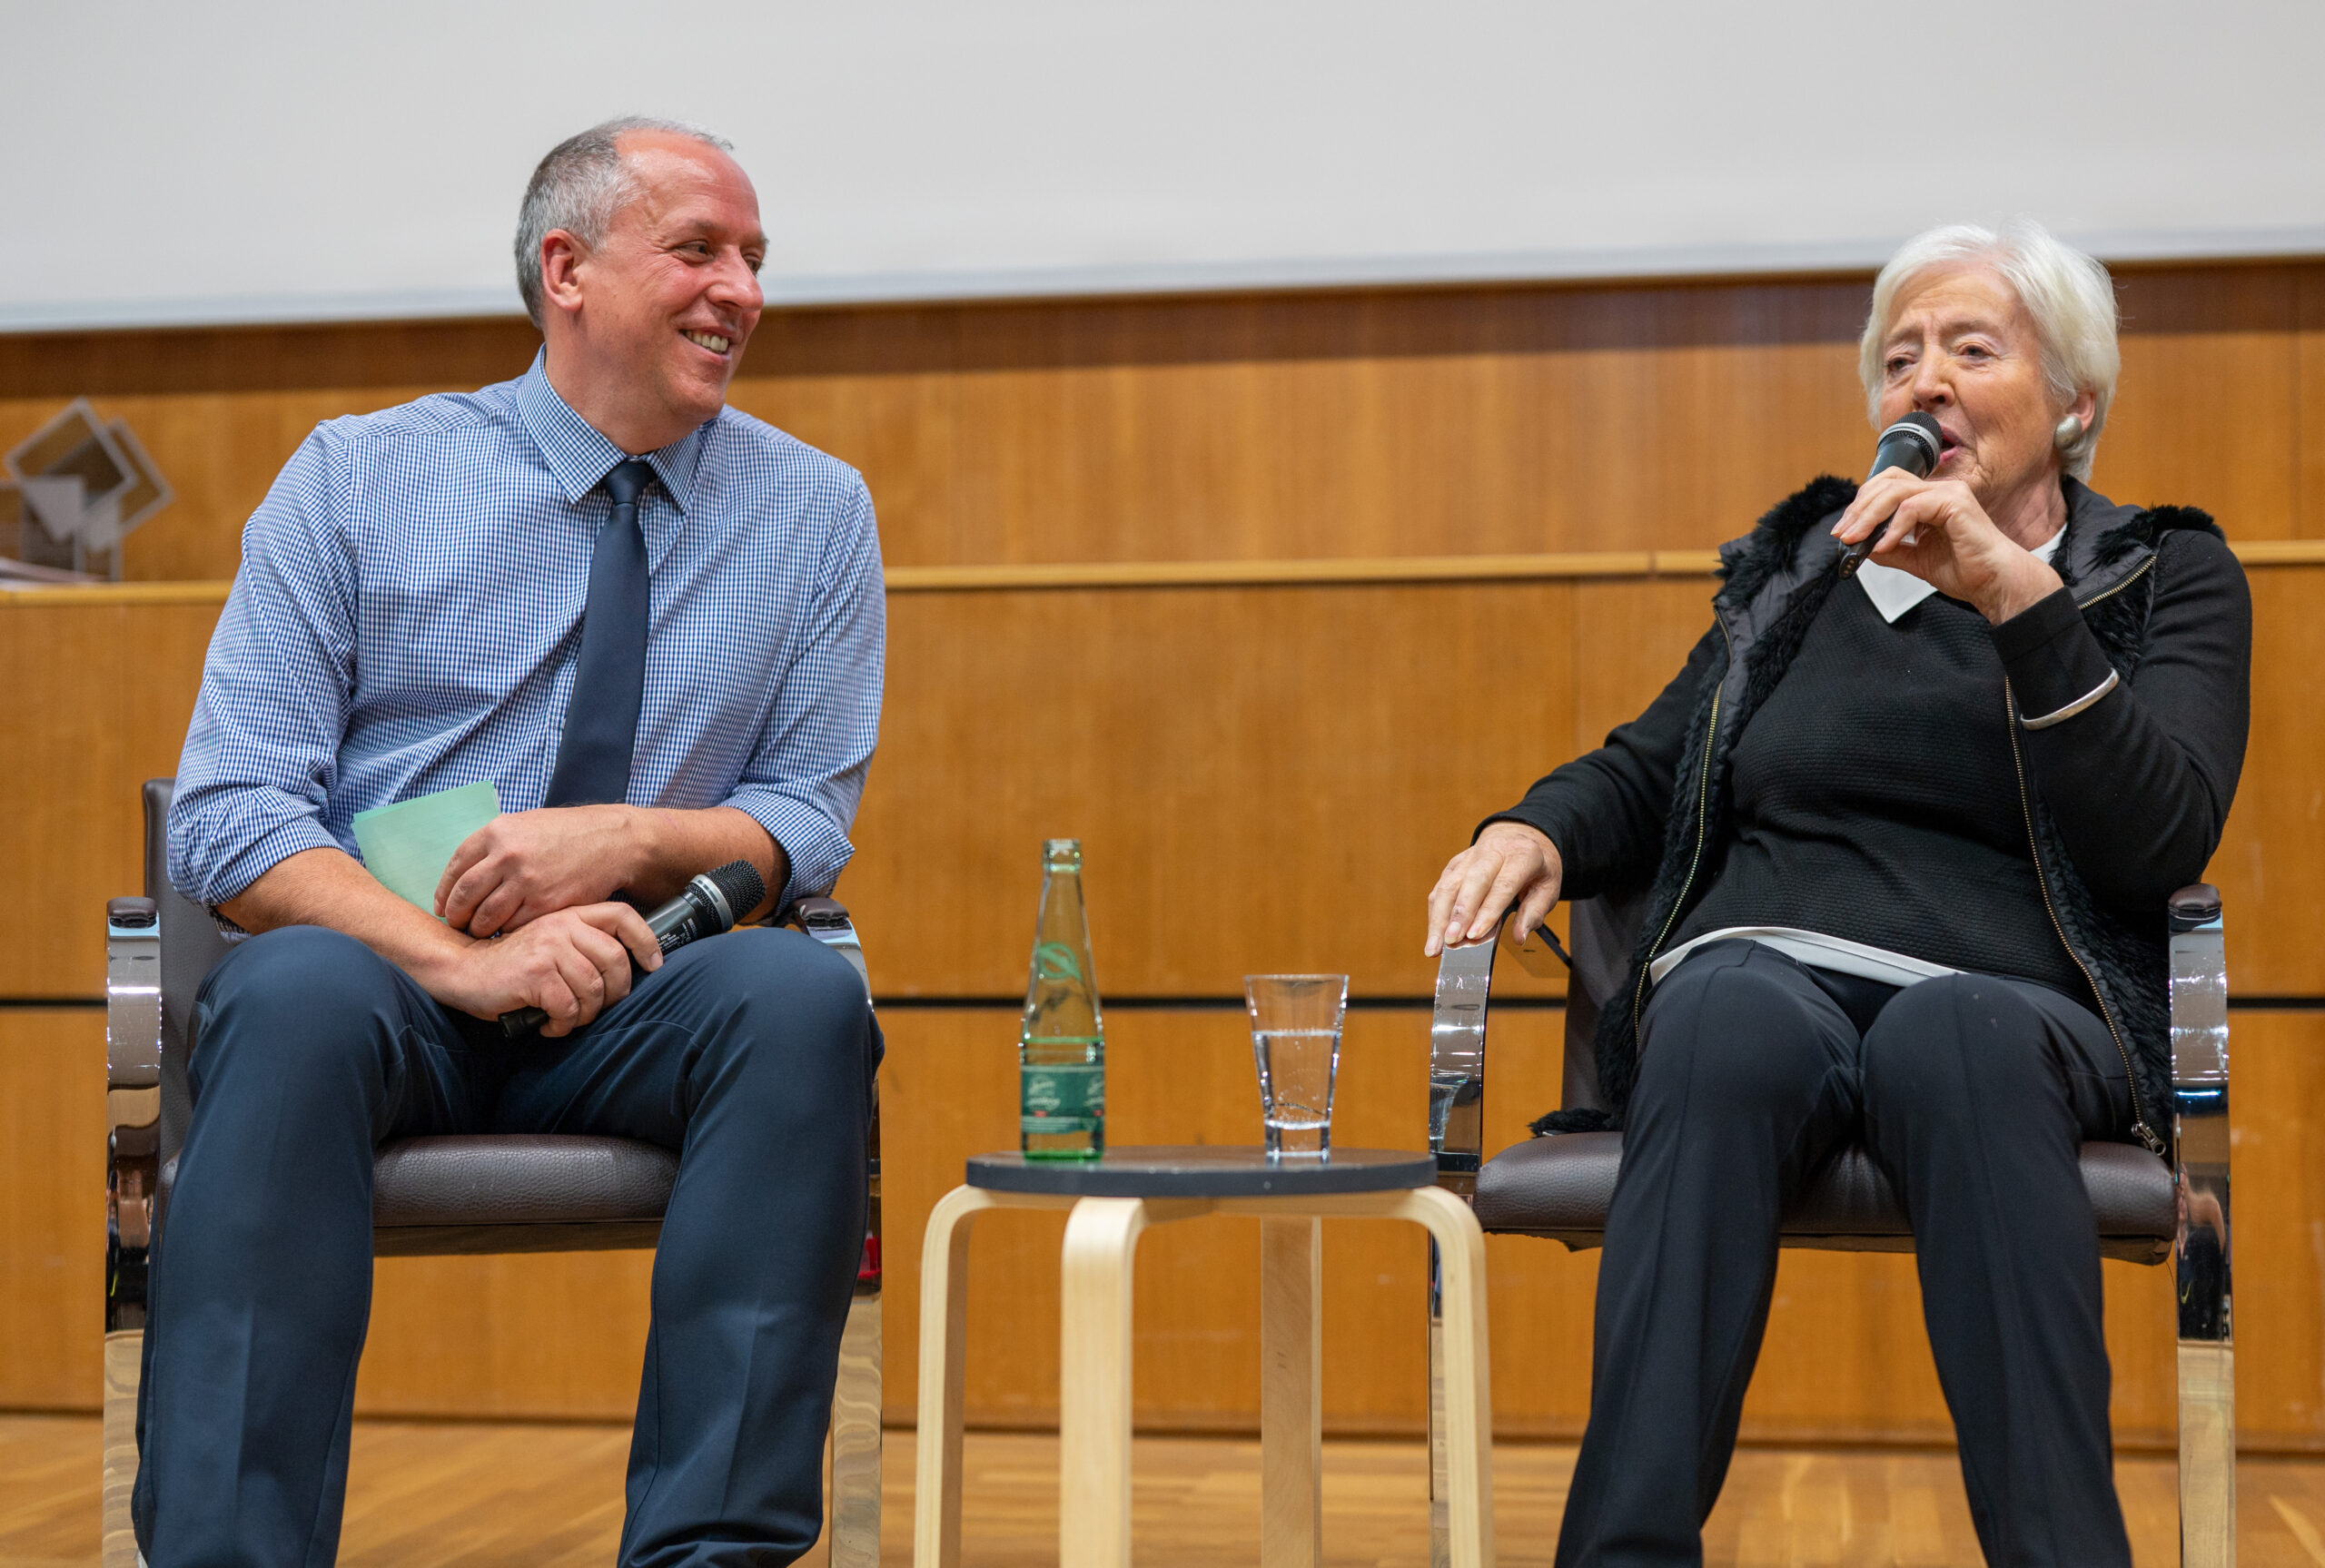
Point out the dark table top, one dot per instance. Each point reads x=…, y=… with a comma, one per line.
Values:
x=1165, y=1171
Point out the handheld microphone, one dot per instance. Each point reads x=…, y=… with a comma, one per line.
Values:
x=1912, y=444
x=706, y=906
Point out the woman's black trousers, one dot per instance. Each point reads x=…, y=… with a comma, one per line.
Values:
x=1973, y=1093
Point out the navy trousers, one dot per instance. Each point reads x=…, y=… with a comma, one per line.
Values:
x=1975, y=1094
x=750, y=1054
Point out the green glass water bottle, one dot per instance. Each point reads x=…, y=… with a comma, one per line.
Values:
x=1062, y=1044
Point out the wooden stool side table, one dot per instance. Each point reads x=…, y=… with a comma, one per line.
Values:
x=1112, y=1202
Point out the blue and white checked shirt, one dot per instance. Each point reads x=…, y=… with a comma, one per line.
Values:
x=408, y=614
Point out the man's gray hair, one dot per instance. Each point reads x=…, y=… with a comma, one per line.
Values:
x=579, y=187
x=2069, y=295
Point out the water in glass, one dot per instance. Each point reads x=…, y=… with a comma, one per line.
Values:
x=1296, y=1045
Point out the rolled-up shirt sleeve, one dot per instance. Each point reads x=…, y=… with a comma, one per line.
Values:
x=261, y=753
x=806, y=773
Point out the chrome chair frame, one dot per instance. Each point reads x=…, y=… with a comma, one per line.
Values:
x=138, y=1146
x=2200, y=1170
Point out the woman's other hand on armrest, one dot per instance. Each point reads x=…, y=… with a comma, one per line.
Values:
x=1510, y=863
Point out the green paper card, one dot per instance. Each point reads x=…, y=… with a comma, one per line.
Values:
x=408, y=844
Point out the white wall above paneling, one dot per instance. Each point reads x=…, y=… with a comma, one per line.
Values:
x=252, y=159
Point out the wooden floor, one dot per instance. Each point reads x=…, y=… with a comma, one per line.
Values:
x=467, y=1495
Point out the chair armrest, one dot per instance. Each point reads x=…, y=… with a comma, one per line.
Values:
x=132, y=994
x=1457, y=1064
x=2199, y=1129
x=133, y=1102
x=827, y=919
x=2198, y=992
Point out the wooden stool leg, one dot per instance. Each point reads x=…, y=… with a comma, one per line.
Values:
x=1095, y=1382
x=1291, y=1409
x=852, y=1493
x=944, y=1327
x=1468, y=1386
x=124, y=1350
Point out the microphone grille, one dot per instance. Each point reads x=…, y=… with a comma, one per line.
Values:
x=740, y=882
x=1922, y=424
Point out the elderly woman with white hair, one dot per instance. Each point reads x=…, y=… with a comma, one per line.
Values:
x=1901, y=847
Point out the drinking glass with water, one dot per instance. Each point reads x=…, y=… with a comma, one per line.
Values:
x=1296, y=1045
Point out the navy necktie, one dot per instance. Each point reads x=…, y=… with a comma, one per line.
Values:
x=609, y=677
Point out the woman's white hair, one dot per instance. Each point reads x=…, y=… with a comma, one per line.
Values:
x=579, y=186
x=2068, y=294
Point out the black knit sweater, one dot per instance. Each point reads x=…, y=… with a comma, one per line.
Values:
x=1865, y=777
x=1875, y=799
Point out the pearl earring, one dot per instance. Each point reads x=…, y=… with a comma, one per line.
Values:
x=2069, y=432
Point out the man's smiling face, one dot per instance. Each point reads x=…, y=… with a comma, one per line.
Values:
x=669, y=296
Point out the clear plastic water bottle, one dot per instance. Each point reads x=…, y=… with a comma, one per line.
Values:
x=1062, y=1044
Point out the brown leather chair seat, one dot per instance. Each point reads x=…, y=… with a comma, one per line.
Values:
x=1559, y=1188
x=468, y=1194
x=510, y=1192
x=574, y=1191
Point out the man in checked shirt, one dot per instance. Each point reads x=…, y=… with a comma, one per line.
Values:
x=410, y=617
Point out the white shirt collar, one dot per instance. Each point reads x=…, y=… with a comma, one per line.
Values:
x=1893, y=592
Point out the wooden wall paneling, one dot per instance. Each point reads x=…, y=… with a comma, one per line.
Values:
x=1266, y=426
x=221, y=409
x=166, y=646
x=1324, y=820
x=1263, y=779
x=51, y=1208
x=1365, y=424
x=1630, y=639
x=1540, y=1296
x=2275, y=840
x=949, y=1077
x=1476, y=420
x=1683, y=445
x=264, y=359
x=2207, y=406
x=65, y=821
x=1288, y=817
x=96, y=703
x=2308, y=407
x=1185, y=1077
x=1844, y=1359
x=877, y=388
x=1362, y=423
x=219, y=450
x=553, y=1335
x=2277, y=1083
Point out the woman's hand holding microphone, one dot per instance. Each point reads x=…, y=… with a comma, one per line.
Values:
x=1938, y=531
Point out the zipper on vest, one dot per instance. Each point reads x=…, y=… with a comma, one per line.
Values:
x=1703, y=808
x=2042, y=880
x=2129, y=578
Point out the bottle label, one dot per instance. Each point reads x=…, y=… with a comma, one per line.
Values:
x=1061, y=1098
x=1055, y=963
